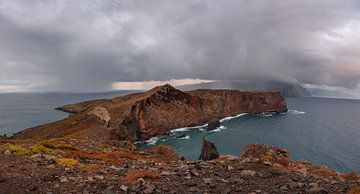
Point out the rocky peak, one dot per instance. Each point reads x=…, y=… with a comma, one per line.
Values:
x=208, y=150
x=168, y=93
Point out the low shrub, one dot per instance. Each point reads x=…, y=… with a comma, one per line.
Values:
x=135, y=174
x=16, y=149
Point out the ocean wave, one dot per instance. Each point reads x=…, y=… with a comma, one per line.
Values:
x=233, y=117
x=188, y=128
x=186, y=137
x=296, y=112
x=218, y=129
x=266, y=114
x=152, y=141
x=180, y=129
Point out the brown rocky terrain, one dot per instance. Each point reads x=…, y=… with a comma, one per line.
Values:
x=144, y=115
x=92, y=150
x=58, y=167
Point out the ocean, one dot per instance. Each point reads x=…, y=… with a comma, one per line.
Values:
x=324, y=131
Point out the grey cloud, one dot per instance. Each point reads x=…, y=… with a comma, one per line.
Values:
x=79, y=45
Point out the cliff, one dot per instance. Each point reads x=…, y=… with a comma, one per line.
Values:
x=286, y=89
x=144, y=115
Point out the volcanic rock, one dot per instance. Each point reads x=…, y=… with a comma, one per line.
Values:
x=208, y=150
x=140, y=116
x=213, y=125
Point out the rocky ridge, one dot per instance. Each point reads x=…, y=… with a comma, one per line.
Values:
x=155, y=112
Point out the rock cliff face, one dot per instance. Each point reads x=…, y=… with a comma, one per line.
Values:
x=144, y=115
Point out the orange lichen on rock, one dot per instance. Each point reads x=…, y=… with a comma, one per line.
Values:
x=135, y=174
x=162, y=153
x=323, y=171
x=355, y=190
x=352, y=176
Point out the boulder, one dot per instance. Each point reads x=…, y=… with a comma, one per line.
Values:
x=213, y=125
x=208, y=150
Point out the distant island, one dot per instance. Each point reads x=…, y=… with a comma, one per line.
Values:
x=285, y=88
x=93, y=151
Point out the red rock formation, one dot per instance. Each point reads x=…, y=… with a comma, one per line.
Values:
x=144, y=115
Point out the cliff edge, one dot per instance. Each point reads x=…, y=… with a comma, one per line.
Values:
x=141, y=116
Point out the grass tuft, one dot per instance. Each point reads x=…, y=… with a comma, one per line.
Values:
x=135, y=174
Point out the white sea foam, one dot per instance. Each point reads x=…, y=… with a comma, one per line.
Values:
x=180, y=129
x=188, y=128
x=296, y=112
x=266, y=114
x=233, y=117
x=186, y=137
x=152, y=141
x=218, y=129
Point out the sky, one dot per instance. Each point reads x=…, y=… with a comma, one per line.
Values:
x=100, y=45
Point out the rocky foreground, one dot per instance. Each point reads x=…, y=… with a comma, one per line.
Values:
x=92, y=150
x=59, y=167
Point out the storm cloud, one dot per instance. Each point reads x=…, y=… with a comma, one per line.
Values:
x=81, y=45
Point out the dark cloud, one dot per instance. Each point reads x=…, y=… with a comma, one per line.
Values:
x=80, y=45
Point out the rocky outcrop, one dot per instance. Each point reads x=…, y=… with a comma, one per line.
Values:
x=141, y=116
x=208, y=150
x=213, y=125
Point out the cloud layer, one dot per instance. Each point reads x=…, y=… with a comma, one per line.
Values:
x=81, y=45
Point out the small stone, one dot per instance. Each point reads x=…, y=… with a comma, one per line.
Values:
x=207, y=180
x=165, y=173
x=300, y=185
x=277, y=165
x=115, y=168
x=194, y=173
x=295, y=178
x=147, y=191
x=248, y=173
x=229, y=168
x=317, y=190
x=188, y=176
x=35, y=156
x=193, y=189
x=303, y=171
x=267, y=163
x=57, y=185
x=334, y=182
x=226, y=191
x=284, y=188
x=2, y=179
x=100, y=177
x=7, y=153
x=64, y=179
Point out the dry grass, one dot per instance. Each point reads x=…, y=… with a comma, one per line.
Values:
x=222, y=158
x=54, y=144
x=323, y=171
x=40, y=149
x=352, y=176
x=135, y=174
x=283, y=161
x=69, y=162
x=267, y=158
x=162, y=153
x=285, y=168
x=16, y=149
x=355, y=190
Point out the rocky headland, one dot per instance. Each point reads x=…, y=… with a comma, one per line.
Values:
x=92, y=150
